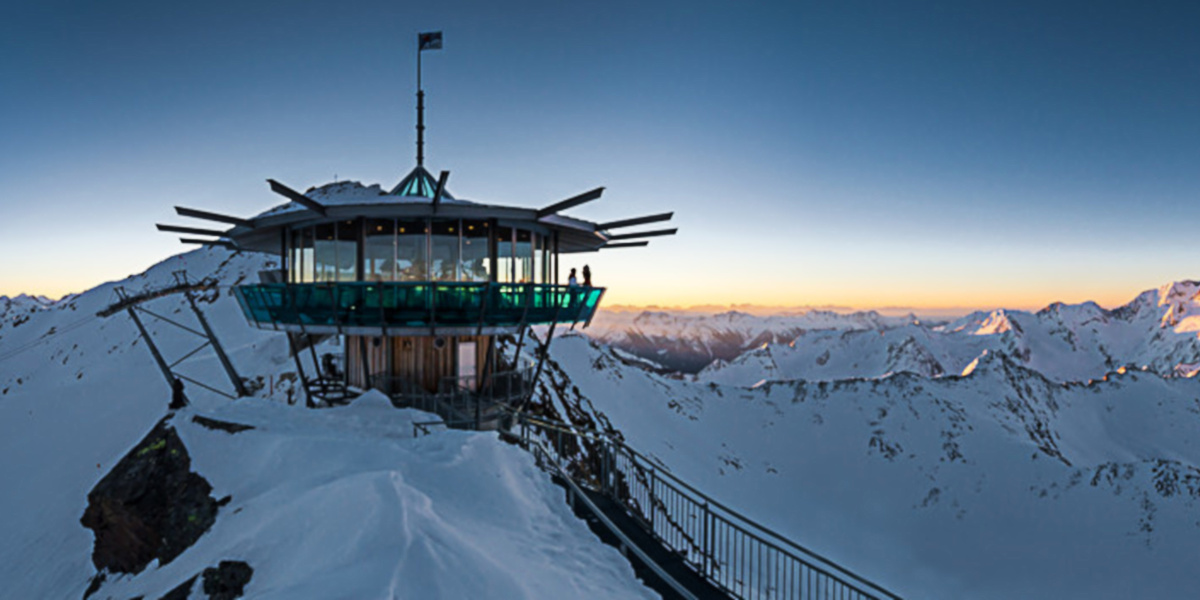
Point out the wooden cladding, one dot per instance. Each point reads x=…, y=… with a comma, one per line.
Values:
x=422, y=361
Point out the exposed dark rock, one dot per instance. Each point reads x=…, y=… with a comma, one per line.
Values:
x=182, y=591
x=216, y=425
x=227, y=580
x=94, y=585
x=151, y=505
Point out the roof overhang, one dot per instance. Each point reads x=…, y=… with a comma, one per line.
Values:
x=574, y=235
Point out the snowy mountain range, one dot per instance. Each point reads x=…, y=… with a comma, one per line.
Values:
x=687, y=341
x=1007, y=454
x=1156, y=331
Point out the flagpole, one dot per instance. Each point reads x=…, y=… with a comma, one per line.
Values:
x=420, y=112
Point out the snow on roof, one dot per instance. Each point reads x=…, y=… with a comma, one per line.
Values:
x=353, y=192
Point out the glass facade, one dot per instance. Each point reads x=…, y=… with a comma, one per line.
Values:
x=523, y=257
x=379, y=250
x=412, y=250
x=300, y=267
x=504, y=255
x=444, y=251
x=347, y=251
x=325, y=253
x=474, y=263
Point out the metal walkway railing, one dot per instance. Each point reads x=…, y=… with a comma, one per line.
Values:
x=730, y=551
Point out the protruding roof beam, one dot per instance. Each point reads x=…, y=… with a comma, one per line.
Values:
x=211, y=216
x=222, y=243
x=635, y=221
x=297, y=197
x=625, y=245
x=191, y=230
x=570, y=202
x=441, y=189
x=642, y=234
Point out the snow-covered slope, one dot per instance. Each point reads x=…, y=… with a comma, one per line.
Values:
x=344, y=503
x=323, y=504
x=1159, y=330
x=999, y=484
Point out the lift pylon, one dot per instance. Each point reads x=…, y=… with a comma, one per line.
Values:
x=131, y=304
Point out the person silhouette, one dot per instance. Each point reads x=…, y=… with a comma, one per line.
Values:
x=587, y=276
x=571, y=281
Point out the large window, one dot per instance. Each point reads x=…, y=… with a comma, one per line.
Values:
x=300, y=269
x=539, y=258
x=445, y=252
x=523, y=256
x=504, y=255
x=325, y=252
x=474, y=264
x=347, y=251
x=412, y=251
x=418, y=250
x=379, y=249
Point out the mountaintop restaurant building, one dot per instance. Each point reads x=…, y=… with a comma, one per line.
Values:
x=417, y=283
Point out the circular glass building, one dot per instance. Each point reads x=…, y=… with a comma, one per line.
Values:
x=417, y=285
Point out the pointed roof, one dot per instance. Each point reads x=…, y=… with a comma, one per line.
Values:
x=418, y=183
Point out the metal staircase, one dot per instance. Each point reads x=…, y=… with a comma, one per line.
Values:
x=731, y=553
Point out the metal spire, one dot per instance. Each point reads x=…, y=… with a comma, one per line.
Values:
x=425, y=41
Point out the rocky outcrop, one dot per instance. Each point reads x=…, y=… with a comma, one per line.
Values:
x=227, y=580
x=150, y=506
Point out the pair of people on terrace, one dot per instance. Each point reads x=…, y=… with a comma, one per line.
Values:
x=587, y=277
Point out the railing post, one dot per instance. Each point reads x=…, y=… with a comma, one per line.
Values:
x=604, y=467
x=650, y=498
x=706, y=551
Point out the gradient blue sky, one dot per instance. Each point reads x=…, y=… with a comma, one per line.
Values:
x=928, y=154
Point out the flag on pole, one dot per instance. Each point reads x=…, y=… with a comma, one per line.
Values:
x=429, y=41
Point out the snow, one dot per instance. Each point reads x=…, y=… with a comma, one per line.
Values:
x=325, y=504
x=353, y=193
x=345, y=503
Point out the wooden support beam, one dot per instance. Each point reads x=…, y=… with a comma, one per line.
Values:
x=642, y=234
x=297, y=197
x=441, y=189
x=570, y=202
x=635, y=221
x=625, y=245
x=191, y=230
x=211, y=216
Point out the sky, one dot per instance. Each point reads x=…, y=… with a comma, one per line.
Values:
x=933, y=155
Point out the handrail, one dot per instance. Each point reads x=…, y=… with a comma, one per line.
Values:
x=722, y=549
x=541, y=453
x=415, y=304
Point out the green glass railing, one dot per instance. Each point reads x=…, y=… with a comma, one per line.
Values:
x=416, y=304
